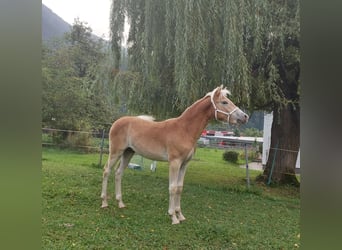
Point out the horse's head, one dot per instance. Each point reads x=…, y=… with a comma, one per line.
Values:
x=225, y=110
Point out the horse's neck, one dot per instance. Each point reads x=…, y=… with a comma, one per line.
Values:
x=196, y=117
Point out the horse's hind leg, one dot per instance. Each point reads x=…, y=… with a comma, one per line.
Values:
x=125, y=158
x=112, y=159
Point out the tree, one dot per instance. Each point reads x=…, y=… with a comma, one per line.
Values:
x=182, y=49
x=76, y=81
x=277, y=66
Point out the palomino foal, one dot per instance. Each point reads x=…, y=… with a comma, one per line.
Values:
x=173, y=140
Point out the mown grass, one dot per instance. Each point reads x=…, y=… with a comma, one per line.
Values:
x=221, y=212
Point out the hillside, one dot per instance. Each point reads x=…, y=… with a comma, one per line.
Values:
x=52, y=24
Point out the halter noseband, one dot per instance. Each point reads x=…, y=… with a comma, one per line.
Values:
x=218, y=110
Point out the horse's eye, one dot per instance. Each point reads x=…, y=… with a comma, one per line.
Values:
x=224, y=102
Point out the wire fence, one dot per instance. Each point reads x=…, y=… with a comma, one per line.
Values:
x=220, y=143
x=282, y=155
x=97, y=141
x=89, y=141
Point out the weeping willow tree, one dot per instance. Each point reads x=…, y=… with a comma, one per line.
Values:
x=180, y=50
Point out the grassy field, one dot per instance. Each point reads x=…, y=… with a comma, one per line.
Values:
x=221, y=212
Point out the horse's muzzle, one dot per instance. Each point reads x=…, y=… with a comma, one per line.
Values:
x=241, y=117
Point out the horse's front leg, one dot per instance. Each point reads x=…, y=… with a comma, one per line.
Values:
x=179, y=214
x=173, y=178
x=179, y=191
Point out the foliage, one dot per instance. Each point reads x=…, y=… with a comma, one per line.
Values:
x=80, y=140
x=75, y=81
x=252, y=132
x=253, y=155
x=221, y=213
x=124, y=84
x=231, y=156
x=237, y=132
x=184, y=48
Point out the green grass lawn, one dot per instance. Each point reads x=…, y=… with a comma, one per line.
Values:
x=221, y=212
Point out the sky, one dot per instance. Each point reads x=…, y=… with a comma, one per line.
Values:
x=94, y=12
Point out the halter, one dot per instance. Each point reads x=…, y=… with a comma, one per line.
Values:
x=218, y=110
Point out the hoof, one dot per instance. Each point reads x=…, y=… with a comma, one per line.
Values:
x=180, y=216
x=121, y=205
x=175, y=222
x=174, y=219
x=181, y=219
x=104, y=204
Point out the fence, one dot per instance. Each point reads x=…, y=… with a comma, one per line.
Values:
x=97, y=141
x=226, y=143
x=89, y=142
x=283, y=154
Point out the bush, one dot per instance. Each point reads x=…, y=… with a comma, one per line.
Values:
x=78, y=140
x=253, y=132
x=59, y=137
x=76, y=136
x=253, y=155
x=231, y=156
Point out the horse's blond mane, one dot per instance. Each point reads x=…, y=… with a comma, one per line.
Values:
x=224, y=91
x=146, y=117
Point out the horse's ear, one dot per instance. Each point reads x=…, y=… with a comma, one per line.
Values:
x=223, y=90
x=217, y=91
x=226, y=92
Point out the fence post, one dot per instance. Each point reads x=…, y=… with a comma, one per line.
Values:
x=274, y=157
x=101, y=147
x=247, y=169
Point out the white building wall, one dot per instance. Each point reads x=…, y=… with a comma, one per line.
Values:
x=298, y=160
x=268, y=119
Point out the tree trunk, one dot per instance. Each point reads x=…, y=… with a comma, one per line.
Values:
x=285, y=138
